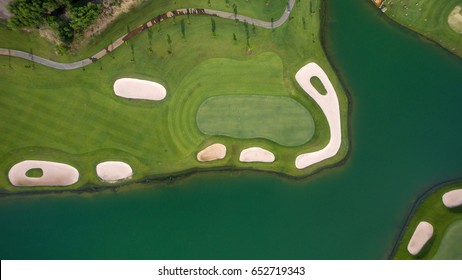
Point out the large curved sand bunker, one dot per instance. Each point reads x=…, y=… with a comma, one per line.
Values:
x=330, y=107
x=54, y=174
x=113, y=171
x=455, y=19
x=213, y=152
x=139, y=89
x=453, y=198
x=256, y=154
x=422, y=234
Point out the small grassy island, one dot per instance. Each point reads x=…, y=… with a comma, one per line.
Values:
x=168, y=88
x=439, y=21
x=434, y=228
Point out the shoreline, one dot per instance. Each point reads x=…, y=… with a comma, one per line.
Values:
x=415, y=32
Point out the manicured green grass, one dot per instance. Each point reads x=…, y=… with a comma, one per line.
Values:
x=429, y=18
x=74, y=116
x=450, y=247
x=431, y=210
x=280, y=119
x=34, y=173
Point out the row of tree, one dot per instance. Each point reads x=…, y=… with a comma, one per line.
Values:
x=67, y=18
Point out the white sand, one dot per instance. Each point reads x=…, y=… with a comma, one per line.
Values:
x=256, y=154
x=329, y=106
x=422, y=234
x=453, y=198
x=212, y=152
x=139, y=89
x=113, y=171
x=455, y=19
x=54, y=174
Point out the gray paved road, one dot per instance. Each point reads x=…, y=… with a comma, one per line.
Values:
x=118, y=42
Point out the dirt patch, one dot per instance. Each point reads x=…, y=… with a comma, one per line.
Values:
x=109, y=14
x=4, y=13
x=455, y=19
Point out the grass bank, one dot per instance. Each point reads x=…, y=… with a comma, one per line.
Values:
x=428, y=18
x=74, y=116
x=430, y=208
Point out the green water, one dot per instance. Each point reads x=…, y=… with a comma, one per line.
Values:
x=406, y=137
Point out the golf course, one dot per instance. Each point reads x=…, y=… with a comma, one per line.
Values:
x=439, y=21
x=441, y=209
x=176, y=83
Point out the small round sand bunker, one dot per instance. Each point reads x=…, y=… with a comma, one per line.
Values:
x=139, y=89
x=213, y=152
x=455, y=19
x=453, y=198
x=113, y=171
x=256, y=154
x=53, y=174
x=422, y=234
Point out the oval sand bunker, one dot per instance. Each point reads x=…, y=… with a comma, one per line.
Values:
x=139, y=89
x=455, y=19
x=212, y=152
x=113, y=171
x=453, y=198
x=54, y=174
x=256, y=154
x=422, y=234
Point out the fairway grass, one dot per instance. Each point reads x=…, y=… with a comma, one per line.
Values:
x=75, y=117
x=429, y=18
x=432, y=210
x=276, y=118
x=451, y=244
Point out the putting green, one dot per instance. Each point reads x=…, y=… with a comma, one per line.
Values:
x=276, y=118
x=450, y=247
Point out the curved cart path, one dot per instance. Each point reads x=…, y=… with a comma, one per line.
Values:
x=126, y=37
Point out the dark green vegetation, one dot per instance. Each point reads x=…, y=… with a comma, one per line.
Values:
x=277, y=118
x=85, y=123
x=67, y=18
x=432, y=210
x=429, y=18
x=405, y=138
x=317, y=84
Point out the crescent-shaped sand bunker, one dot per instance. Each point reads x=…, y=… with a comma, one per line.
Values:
x=330, y=107
x=139, y=89
x=53, y=174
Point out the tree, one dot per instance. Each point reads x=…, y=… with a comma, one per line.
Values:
x=182, y=28
x=212, y=20
x=234, y=37
x=169, y=41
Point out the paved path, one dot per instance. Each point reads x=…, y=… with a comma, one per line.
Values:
x=126, y=37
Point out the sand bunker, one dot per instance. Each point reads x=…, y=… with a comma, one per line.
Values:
x=329, y=106
x=455, y=19
x=212, y=152
x=113, y=171
x=256, y=154
x=422, y=234
x=453, y=198
x=54, y=174
x=139, y=89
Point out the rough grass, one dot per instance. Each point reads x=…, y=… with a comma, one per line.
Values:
x=276, y=118
x=429, y=18
x=433, y=211
x=34, y=173
x=450, y=248
x=74, y=116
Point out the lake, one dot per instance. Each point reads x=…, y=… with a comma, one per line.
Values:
x=406, y=137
